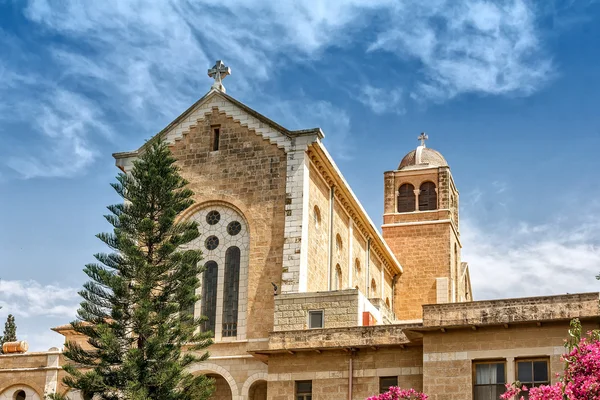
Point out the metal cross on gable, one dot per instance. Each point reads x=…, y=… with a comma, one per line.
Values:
x=218, y=73
x=423, y=137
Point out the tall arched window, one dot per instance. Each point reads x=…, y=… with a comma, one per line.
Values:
x=231, y=291
x=406, y=198
x=209, y=295
x=373, y=288
x=338, y=277
x=427, y=197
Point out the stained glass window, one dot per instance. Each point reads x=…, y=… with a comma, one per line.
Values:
x=213, y=217
x=234, y=228
x=231, y=291
x=211, y=242
x=209, y=295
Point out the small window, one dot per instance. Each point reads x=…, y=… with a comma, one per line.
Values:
x=20, y=395
x=533, y=373
x=338, y=243
x=386, y=382
x=234, y=227
x=373, y=288
x=406, y=198
x=387, y=302
x=317, y=217
x=213, y=217
x=338, y=277
x=427, y=197
x=357, y=266
x=211, y=242
x=489, y=380
x=303, y=390
x=315, y=319
x=215, y=138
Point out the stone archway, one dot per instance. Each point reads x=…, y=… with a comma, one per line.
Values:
x=255, y=387
x=223, y=379
x=11, y=392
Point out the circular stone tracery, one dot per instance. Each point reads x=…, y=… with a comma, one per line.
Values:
x=213, y=217
x=234, y=228
x=211, y=242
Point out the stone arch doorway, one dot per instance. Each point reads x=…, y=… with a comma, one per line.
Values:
x=258, y=390
x=226, y=388
x=222, y=389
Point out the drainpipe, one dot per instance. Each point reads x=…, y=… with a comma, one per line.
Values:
x=394, y=281
x=330, y=258
x=368, y=268
x=350, y=372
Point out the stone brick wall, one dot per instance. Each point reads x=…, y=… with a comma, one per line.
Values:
x=341, y=224
x=448, y=357
x=359, y=252
x=318, y=236
x=32, y=372
x=424, y=252
x=340, y=308
x=248, y=172
x=329, y=372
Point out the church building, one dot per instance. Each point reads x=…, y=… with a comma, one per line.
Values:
x=308, y=298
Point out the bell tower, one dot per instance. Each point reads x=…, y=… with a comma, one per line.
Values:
x=421, y=226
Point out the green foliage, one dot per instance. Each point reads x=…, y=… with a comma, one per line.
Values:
x=135, y=308
x=10, y=331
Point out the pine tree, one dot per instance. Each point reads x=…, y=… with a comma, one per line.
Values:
x=10, y=331
x=135, y=308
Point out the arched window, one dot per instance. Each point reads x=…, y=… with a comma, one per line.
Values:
x=357, y=266
x=387, y=302
x=20, y=395
x=406, y=198
x=373, y=288
x=231, y=291
x=338, y=277
x=317, y=217
x=338, y=243
x=209, y=296
x=427, y=197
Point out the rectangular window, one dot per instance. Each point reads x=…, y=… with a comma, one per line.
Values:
x=533, y=372
x=315, y=319
x=488, y=380
x=303, y=390
x=386, y=382
x=215, y=138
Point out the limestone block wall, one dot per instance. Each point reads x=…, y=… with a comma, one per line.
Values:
x=329, y=372
x=34, y=373
x=247, y=173
x=341, y=309
x=448, y=357
x=318, y=233
x=424, y=251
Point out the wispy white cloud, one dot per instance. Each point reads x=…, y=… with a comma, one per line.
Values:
x=139, y=64
x=381, y=101
x=471, y=46
x=32, y=299
x=516, y=259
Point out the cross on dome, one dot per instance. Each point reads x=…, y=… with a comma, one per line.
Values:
x=423, y=137
x=218, y=73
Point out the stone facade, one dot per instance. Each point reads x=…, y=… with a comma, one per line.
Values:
x=396, y=305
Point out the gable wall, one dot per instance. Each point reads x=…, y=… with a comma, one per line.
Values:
x=248, y=172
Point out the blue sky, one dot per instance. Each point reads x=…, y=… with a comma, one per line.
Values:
x=508, y=91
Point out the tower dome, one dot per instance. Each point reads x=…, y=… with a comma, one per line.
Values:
x=422, y=157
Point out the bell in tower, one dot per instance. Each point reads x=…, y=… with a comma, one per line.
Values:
x=420, y=225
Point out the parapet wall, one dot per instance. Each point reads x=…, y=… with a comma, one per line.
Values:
x=498, y=312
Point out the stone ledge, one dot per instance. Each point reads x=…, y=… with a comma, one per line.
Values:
x=505, y=311
x=337, y=338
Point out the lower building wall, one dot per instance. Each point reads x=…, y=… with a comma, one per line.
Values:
x=449, y=357
x=329, y=371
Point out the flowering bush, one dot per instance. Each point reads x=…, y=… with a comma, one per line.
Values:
x=581, y=378
x=395, y=393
